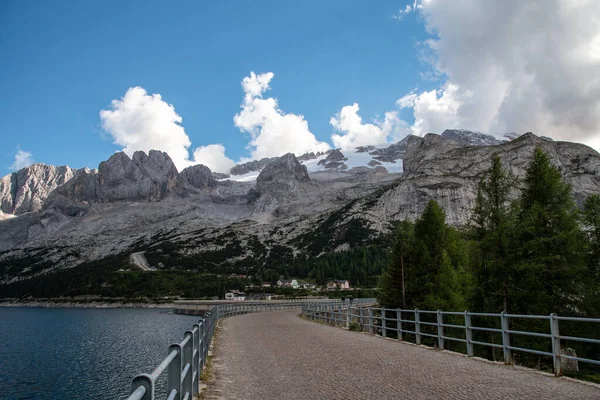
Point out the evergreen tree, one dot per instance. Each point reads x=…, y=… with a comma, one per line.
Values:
x=493, y=224
x=427, y=252
x=392, y=285
x=425, y=269
x=591, y=219
x=446, y=288
x=550, y=251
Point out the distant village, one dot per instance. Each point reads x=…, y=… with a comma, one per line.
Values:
x=335, y=285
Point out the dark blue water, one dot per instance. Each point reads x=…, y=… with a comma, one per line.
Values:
x=67, y=353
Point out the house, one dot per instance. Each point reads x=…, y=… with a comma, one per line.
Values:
x=306, y=285
x=267, y=296
x=288, y=283
x=235, y=295
x=338, y=284
x=266, y=284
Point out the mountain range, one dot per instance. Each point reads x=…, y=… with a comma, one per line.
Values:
x=264, y=211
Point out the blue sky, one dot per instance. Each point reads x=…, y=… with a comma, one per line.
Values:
x=66, y=60
x=497, y=68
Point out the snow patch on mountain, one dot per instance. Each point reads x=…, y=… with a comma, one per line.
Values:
x=247, y=177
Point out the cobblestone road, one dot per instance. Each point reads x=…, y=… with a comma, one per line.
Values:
x=277, y=356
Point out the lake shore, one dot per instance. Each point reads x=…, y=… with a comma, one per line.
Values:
x=83, y=304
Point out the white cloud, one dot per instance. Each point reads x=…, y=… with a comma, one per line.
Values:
x=22, y=159
x=273, y=132
x=213, y=156
x=353, y=133
x=140, y=121
x=409, y=8
x=513, y=66
x=435, y=110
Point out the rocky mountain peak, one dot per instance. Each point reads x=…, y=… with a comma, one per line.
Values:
x=144, y=177
x=27, y=189
x=251, y=166
x=283, y=207
x=335, y=159
x=141, y=178
x=282, y=179
x=419, y=149
x=197, y=176
x=470, y=138
x=286, y=168
x=393, y=152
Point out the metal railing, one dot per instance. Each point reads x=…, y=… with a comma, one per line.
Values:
x=381, y=321
x=186, y=359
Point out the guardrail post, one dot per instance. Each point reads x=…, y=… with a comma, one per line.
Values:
x=146, y=381
x=399, y=323
x=371, y=327
x=383, y=323
x=505, y=338
x=174, y=372
x=348, y=317
x=440, y=329
x=196, y=358
x=202, y=339
x=555, y=333
x=417, y=327
x=188, y=351
x=468, y=334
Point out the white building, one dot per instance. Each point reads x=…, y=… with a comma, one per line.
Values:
x=338, y=284
x=288, y=283
x=235, y=295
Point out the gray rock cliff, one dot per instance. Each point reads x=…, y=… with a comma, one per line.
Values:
x=131, y=205
x=251, y=166
x=144, y=177
x=282, y=179
x=198, y=177
x=443, y=170
x=27, y=189
x=469, y=138
x=393, y=152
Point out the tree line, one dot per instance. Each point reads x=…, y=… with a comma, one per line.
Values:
x=529, y=252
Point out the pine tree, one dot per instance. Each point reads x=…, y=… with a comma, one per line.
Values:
x=446, y=293
x=493, y=224
x=425, y=268
x=591, y=219
x=392, y=284
x=430, y=241
x=550, y=247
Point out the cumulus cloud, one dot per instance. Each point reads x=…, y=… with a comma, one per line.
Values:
x=435, y=110
x=353, y=133
x=272, y=131
x=22, y=159
x=512, y=66
x=213, y=156
x=142, y=121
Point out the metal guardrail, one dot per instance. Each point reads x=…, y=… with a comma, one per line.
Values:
x=186, y=359
x=376, y=321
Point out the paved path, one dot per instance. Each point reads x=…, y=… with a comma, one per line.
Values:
x=278, y=356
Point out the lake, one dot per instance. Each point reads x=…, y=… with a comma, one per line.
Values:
x=79, y=353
